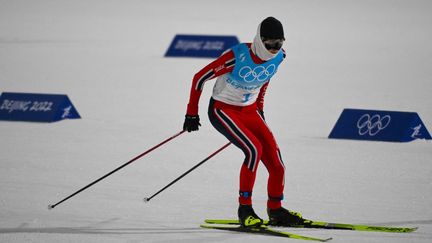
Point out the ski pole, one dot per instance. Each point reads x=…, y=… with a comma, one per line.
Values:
x=51, y=206
x=147, y=199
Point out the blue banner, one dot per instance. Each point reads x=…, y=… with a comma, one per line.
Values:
x=211, y=46
x=36, y=107
x=391, y=126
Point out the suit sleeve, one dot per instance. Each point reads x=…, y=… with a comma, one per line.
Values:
x=261, y=95
x=224, y=64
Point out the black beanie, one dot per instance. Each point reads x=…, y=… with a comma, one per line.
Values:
x=271, y=28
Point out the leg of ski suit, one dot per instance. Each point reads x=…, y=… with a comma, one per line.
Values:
x=246, y=129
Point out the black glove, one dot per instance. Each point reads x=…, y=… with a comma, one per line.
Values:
x=191, y=123
x=261, y=112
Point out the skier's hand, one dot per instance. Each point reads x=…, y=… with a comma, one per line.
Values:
x=261, y=112
x=191, y=123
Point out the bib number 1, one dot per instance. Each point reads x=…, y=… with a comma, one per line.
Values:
x=246, y=97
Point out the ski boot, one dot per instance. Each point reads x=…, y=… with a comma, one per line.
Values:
x=248, y=217
x=283, y=217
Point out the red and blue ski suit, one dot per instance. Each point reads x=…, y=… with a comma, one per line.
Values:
x=235, y=111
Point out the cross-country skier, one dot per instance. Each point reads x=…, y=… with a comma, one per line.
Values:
x=236, y=110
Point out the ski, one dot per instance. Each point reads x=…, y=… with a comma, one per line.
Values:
x=262, y=230
x=327, y=225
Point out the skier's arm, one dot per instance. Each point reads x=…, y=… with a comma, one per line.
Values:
x=260, y=99
x=261, y=96
x=220, y=66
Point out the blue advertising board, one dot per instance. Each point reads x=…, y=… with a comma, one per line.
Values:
x=391, y=126
x=210, y=46
x=36, y=107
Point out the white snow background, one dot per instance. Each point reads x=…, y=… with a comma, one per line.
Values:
x=107, y=56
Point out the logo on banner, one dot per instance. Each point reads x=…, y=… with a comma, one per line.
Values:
x=416, y=133
x=372, y=125
x=66, y=112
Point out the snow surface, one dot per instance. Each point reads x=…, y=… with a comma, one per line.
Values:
x=107, y=56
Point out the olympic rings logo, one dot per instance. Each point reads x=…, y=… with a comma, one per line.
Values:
x=372, y=125
x=259, y=73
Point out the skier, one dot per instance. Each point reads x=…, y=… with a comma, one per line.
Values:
x=236, y=110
